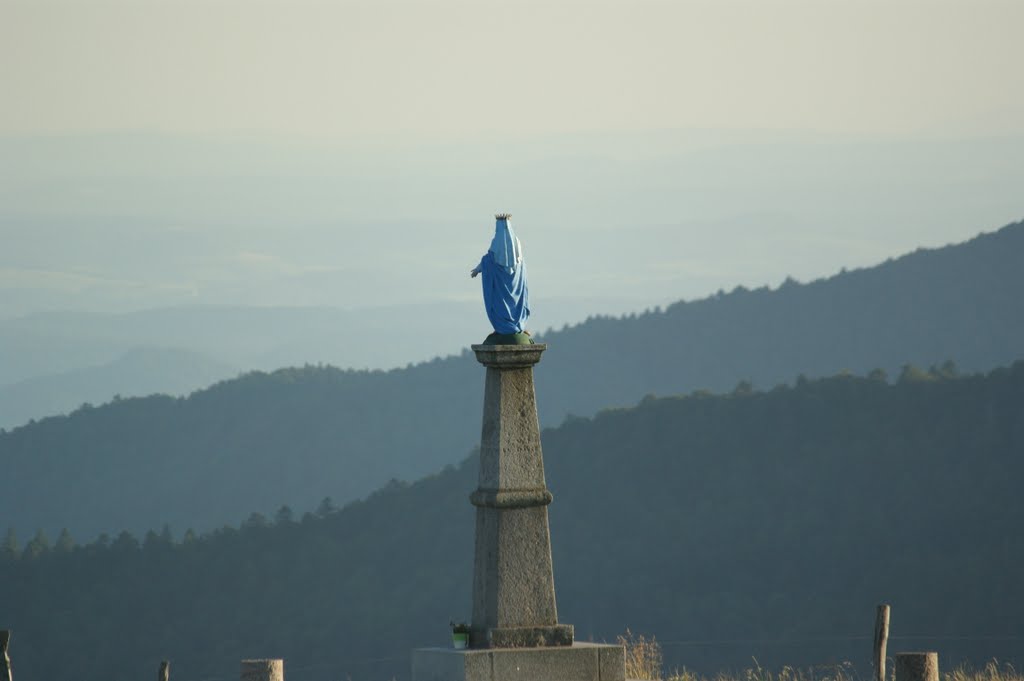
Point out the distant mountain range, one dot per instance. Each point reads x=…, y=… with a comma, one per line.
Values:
x=51, y=363
x=140, y=371
x=756, y=524
x=297, y=435
x=43, y=351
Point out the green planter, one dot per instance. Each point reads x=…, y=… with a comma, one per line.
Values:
x=460, y=641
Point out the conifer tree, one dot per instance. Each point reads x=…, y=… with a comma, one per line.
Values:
x=39, y=545
x=284, y=516
x=64, y=542
x=9, y=549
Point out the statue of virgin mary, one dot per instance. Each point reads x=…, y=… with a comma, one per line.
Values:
x=506, y=297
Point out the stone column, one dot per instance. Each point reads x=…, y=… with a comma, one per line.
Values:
x=513, y=581
x=515, y=634
x=262, y=670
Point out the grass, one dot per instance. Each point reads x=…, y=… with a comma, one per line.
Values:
x=993, y=671
x=643, y=657
x=840, y=672
x=644, y=661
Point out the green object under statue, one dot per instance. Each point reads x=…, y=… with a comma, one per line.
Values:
x=508, y=339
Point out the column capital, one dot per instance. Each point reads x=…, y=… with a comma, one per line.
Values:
x=509, y=356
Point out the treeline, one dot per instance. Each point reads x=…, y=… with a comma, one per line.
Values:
x=40, y=544
x=773, y=520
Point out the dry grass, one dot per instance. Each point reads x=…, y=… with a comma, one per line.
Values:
x=643, y=657
x=993, y=671
x=839, y=672
x=644, y=661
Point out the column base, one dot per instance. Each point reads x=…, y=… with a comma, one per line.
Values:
x=578, y=662
x=522, y=637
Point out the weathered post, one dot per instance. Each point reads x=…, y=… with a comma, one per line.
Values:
x=165, y=671
x=5, y=659
x=262, y=670
x=881, y=640
x=515, y=634
x=917, y=666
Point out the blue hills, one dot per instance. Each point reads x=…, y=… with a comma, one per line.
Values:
x=297, y=435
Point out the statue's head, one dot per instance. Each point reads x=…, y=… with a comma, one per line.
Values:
x=505, y=246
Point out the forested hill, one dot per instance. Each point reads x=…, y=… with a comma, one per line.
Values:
x=696, y=519
x=298, y=435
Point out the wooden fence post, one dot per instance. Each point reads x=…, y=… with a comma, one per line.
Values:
x=881, y=640
x=917, y=666
x=5, y=659
x=165, y=671
x=262, y=670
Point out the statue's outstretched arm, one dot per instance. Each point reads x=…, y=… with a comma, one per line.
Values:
x=478, y=269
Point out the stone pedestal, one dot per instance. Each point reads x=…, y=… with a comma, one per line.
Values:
x=515, y=634
x=578, y=662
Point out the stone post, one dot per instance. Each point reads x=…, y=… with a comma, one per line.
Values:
x=917, y=666
x=262, y=670
x=513, y=581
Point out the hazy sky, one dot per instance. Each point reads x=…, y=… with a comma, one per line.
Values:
x=352, y=153
x=423, y=68
x=439, y=68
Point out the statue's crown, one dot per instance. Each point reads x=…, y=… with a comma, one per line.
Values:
x=502, y=216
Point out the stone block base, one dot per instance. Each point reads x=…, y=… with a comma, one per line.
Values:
x=578, y=662
x=522, y=637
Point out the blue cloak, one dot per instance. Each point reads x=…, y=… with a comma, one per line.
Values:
x=505, y=295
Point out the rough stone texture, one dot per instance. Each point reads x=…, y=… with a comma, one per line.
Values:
x=513, y=583
x=513, y=580
x=514, y=498
x=509, y=355
x=917, y=666
x=526, y=637
x=613, y=663
x=262, y=670
x=510, y=452
x=578, y=662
